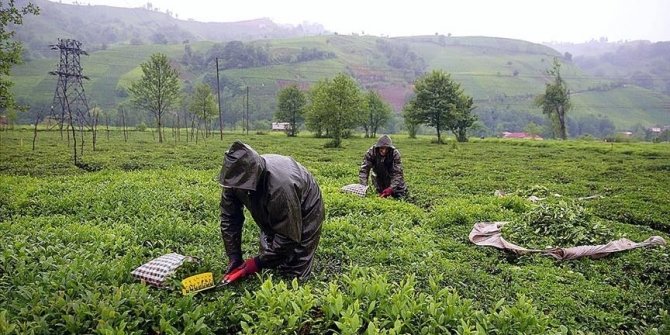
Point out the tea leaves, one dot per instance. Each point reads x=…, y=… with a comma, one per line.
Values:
x=70, y=239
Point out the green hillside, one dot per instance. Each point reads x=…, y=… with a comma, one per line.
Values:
x=502, y=75
x=641, y=63
x=105, y=69
x=626, y=105
x=100, y=26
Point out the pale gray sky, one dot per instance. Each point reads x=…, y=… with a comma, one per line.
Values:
x=531, y=20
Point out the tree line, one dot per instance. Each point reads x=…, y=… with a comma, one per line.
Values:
x=238, y=55
x=333, y=107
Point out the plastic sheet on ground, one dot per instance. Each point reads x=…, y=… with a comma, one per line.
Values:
x=489, y=234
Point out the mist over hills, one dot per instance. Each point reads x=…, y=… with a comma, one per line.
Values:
x=100, y=26
x=624, y=86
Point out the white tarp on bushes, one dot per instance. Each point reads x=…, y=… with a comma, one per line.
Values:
x=489, y=234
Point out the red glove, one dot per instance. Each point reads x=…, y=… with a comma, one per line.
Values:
x=387, y=192
x=234, y=263
x=249, y=267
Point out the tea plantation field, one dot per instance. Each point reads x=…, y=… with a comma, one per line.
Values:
x=70, y=238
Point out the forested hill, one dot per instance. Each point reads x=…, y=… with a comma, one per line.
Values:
x=100, y=26
x=502, y=75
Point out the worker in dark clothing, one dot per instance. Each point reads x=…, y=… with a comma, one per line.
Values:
x=387, y=176
x=284, y=200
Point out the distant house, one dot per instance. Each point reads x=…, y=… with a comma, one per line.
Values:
x=626, y=133
x=281, y=126
x=524, y=136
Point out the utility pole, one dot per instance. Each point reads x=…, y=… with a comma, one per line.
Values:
x=218, y=95
x=247, y=110
x=70, y=95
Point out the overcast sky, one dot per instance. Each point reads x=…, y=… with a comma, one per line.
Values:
x=531, y=20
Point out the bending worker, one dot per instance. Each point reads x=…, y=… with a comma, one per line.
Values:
x=387, y=176
x=284, y=200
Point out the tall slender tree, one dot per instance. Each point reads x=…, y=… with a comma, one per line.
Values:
x=410, y=118
x=290, y=107
x=462, y=118
x=377, y=113
x=203, y=104
x=157, y=90
x=555, y=101
x=313, y=116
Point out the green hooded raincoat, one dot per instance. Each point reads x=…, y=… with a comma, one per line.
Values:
x=387, y=170
x=284, y=200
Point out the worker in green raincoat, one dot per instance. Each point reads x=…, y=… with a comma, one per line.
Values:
x=387, y=175
x=284, y=200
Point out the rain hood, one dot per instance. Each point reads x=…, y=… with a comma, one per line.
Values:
x=242, y=167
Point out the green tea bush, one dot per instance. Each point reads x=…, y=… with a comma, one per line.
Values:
x=470, y=210
x=368, y=301
x=141, y=127
x=276, y=309
x=70, y=239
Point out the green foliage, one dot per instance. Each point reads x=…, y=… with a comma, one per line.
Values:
x=157, y=90
x=479, y=64
x=555, y=102
x=291, y=107
x=441, y=103
x=276, y=308
x=203, y=105
x=411, y=120
x=142, y=127
x=558, y=223
x=70, y=239
x=10, y=49
x=377, y=113
x=532, y=129
x=628, y=61
x=368, y=301
x=335, y=107
x=310, y=54
x=237, y=55
x=462, y=118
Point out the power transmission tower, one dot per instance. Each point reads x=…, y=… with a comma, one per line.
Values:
x=69, y=102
